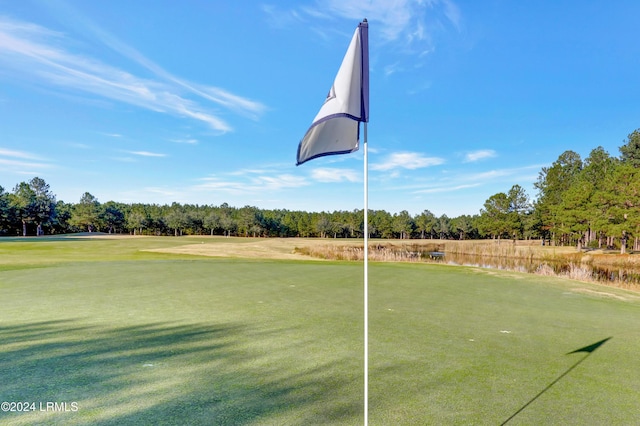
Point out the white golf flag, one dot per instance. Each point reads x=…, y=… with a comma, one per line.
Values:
x=336, y=128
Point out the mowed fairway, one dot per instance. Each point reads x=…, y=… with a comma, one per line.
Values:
x=141, y=337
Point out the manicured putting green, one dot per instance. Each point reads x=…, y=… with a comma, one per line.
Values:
x=138, y=337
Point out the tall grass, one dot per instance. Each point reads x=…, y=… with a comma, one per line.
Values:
x=522, y=257
x=420, y=251
x=387, y=252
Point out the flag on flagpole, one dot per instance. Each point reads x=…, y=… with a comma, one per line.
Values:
x=336, y=128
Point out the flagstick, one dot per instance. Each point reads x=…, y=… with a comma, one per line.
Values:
x=366, y=279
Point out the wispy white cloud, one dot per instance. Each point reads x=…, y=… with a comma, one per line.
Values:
x=407, y=160
x=250, y=182
x=278, y=182
x=79, y=145
x=266, y=170
x=481, y=154
x=147, y=154
x=34, y=52
x=452, y=12
x=446, y=188
x=335, y=175
x=458, y=180
x=216, y=184
x=124, y=159
x=225, y=98
x=391, y=69
x=279, y=18
x=514, y=175
x=18, y=154
x=215, y=94
x=406, y=20
x=492, y=174
x=412, y=23
x=161, y=191
x=188, y=141
x=22, y=162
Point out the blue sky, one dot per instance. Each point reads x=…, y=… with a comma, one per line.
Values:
x=204, y=102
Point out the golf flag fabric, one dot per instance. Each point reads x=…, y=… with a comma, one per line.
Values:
x=336, y=128
x=590, y=348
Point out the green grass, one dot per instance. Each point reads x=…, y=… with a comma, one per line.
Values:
x=139, y=337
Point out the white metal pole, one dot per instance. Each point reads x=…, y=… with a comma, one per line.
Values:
x=366, y=279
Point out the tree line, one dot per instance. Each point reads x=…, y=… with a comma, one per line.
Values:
x=31, y=209
x=592, y=202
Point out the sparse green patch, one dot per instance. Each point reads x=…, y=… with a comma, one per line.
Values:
x=141, y=337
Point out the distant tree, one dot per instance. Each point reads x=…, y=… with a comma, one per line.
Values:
x=551, y=184
x=44, y=203
x=155, y=218
x=137, y=219
x=463, y=226
x=33, y=202
x=272, y=224
x=519, y=208
x=358, y=222
x=494, y=216
x=599, y=168
x=619, y=199
x=324, y=225
x=504, y=214
x=227, y=221
x=86, y=214
x=518, y=200
x=341, y=225
x=22, y=201
x=250, y=221
x=443, y=227
x=598, y=165
x=62, y=218
x=5, y=213
x=533, y=224
x=381, y=223
x=425, y=223
x=353, y=222
x=574, y=211
x=176, y=218
x=630, y=151
x=403, y=224
x=212, y=221
x=289, y=223
x=194, y=219
x=112, y=215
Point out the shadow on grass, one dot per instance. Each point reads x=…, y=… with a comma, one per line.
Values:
x=589, y=349
x=163, y=373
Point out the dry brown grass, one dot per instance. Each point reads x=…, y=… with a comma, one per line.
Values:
x=302, y=248
x=254, y=248
x=268, y=248
x=547, y=260
x=530, y=249
x=398, y=251
x=381, y=250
